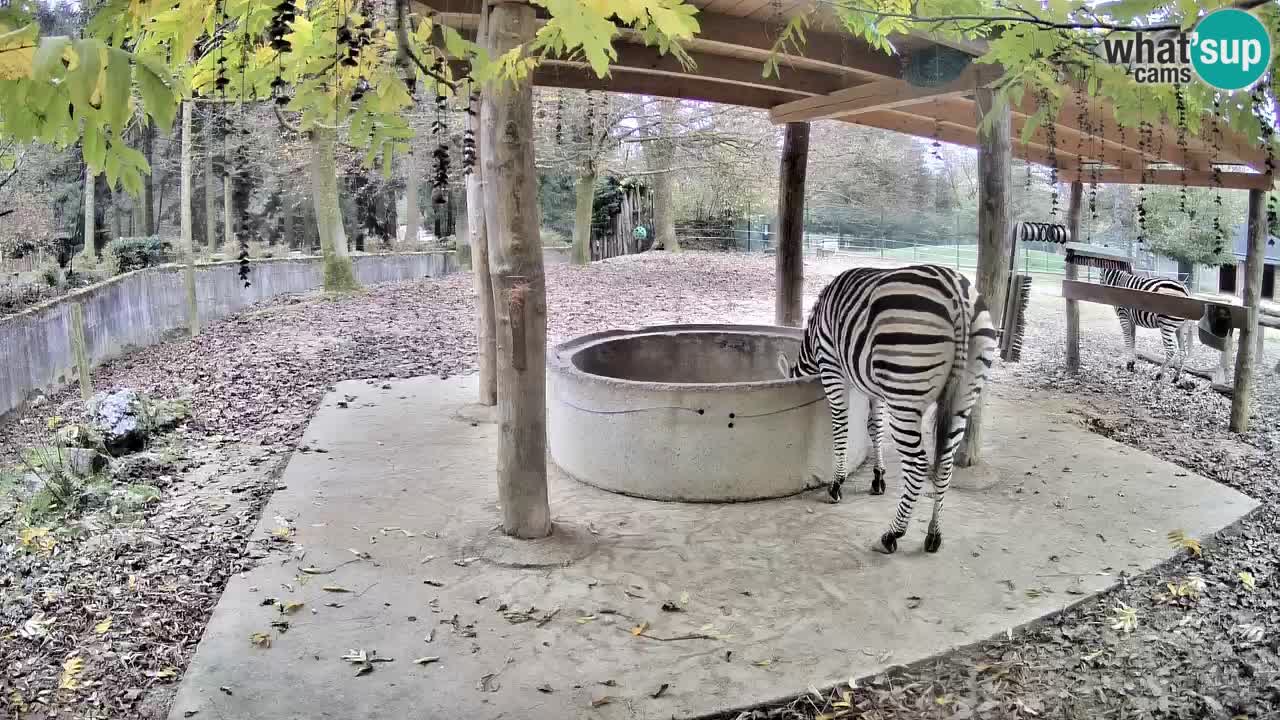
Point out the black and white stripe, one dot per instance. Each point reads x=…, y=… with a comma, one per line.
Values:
x=909, y=339
x=1175, y=333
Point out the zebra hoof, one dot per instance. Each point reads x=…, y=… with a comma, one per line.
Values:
x=889, y=541
x=877, y=482
x=835, y=492
x=932, y=542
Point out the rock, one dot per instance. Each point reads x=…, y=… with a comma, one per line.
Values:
x=79, y=435
x=126, y=419
x=83, y=462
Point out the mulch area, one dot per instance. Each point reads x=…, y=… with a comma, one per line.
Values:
x=1205, y=648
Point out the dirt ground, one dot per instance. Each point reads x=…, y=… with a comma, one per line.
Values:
x=1196, y=639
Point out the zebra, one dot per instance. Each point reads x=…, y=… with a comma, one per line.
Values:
x=1175, y=333
x=907, y=338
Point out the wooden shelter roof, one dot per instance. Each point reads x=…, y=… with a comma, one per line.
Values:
x=841, y=77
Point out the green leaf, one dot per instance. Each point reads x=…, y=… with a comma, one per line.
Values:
x=17, y=48
x=95, y=147
x=157, y=93
x=118, y=90
x=83, y=80
x=48, y=58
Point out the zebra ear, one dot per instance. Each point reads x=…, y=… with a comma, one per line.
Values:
x=784, y=366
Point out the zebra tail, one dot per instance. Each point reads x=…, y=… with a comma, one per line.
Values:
x=951, y=391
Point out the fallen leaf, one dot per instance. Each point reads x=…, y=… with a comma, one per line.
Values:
x=661, y=689
x=1246, y=578
x=669, y=606
x=427, y=660
x=586, y=619
x=545, y=688
x=226, y=690
x=913, y=602
x=282, y=626
x=430, y=635
x=261, y=639
x=103, y=627
x=762, y=663
x=609, y=683
x=602, y=700
x=463, y=562
x=433, y=583
x=639, y=629
x=335, y=589
x=684, y=598
x=288, y=608
x=71, y=670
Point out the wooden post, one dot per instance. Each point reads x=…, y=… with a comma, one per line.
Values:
x=228, y=214
x=994, y=152
x=413, y=214
x=1245, y=356
x=519, y=292
x=788, y=307
x=188, y=244
x=210, y=196
x=90, y=215
x=487, y=351
x=80, y=350
x=1073, y=307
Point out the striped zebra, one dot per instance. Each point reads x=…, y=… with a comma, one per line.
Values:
x=1175, y=333
x=907, y=339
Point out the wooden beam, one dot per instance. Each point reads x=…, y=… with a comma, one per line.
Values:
x=1179, y=306
x=881, y=95
x=789, y=260
x=955, y=132
x=1207, y=374
x=1252, y=298
x=994, y=239
x=1194, y=178
x=687, y=87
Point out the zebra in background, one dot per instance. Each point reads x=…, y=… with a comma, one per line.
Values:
x=1175, y=333
x=909, y=339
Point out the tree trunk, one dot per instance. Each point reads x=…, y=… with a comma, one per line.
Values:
x=117, y=215
x=1252, y=299
x=228, y=214
x=339, y=273
x=413, y=215
x=788, y=308
x=188, y=242
x=515, y=254
x=210, y=206
x=90, y=216
x=583, y=203
x=290, y=215
x=1073, y=307
x=479, y=240
x=661, y=154
x=148, y=184
x=994, y=149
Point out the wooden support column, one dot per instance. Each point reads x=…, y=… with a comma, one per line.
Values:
x=487, y=351
x=994, y=157
x=188, y=238
x=788, y=308
x=1073, y=307
x=1245, y=356
x=519, y=291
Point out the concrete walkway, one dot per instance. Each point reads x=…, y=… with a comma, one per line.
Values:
x=779, y=594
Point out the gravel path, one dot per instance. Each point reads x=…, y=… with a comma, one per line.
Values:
x=254, y=379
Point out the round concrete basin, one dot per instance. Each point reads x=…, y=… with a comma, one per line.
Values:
x=691, y=412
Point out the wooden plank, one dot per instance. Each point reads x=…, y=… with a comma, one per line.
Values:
x=1190, y=308
x=1193, y=178
x=955, y=132
x=1158, y=360
x=688, y=87
x=882, y=95
x=1252, y=297
x=789, y=260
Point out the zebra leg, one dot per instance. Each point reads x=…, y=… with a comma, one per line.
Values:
x=838, y=401
x=875, y=425
x=1185, y=335
x=1127, y=329
x=906, y=426
x=1169, y=340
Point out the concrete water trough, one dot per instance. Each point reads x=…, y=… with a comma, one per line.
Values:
x=694, y=413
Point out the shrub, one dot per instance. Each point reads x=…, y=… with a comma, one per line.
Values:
x=135, y=253
x=554, y=237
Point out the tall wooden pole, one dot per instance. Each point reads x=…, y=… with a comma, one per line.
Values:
x=90, y=215
x=487, y=352
x=188, y=240
x=994, y=157
x=1073, y=307
x=519, y=290
x=1252, y=297
x=788, y=304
